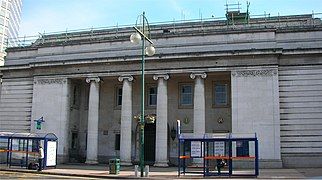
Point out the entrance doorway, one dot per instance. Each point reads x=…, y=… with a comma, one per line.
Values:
x=149, y=143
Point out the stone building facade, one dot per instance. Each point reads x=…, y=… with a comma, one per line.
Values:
x=264, y=77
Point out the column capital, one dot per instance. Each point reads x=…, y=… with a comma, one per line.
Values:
x=128, y=77
x=96, y=79
x=203, y=75
x=164, y=76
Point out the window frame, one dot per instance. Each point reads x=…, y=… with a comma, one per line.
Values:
x=148, y=104
x=116, y=96
x=185, y=106
x=228, y=96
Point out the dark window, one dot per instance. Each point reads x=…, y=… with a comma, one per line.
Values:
x=74, y=95
x=221, y=94
x=152, y=96
x=74, y=140
x=119, y=96
x=117, y=141
x=185, y=95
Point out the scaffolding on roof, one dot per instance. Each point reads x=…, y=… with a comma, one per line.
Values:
x=234, y=15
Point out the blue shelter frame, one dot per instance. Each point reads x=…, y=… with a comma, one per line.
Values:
x=20, y=149
x=220, y=150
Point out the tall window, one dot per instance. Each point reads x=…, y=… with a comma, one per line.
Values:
x=76, y=96
x=186, y=95
x=221, y=94
x=152, y=99
x=74, y=140
x=118, y=96
x=117, y=141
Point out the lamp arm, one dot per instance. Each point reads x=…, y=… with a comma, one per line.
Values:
x=142, y=34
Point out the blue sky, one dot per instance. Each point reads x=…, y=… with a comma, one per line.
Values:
x=40, y=16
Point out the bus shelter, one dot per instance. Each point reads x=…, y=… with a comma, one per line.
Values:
x=21, y=149
x=222, y=154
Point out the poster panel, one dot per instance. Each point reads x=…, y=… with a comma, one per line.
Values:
x=219, y=148
x=51, y=153
x=196, y=149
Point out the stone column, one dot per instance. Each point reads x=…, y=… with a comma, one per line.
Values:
x=126, y=120
x=161, y=148
x=199, y=103
x=199, y=109
x=93, y=115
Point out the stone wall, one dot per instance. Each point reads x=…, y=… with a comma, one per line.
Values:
x=255, y=109
x=16, y=104
x=301, y=116
x=50, y=100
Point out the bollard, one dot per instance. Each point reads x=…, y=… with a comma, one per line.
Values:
x=136, y=171
x=146, y=170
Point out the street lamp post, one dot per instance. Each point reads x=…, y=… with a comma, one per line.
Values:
x=142, y=34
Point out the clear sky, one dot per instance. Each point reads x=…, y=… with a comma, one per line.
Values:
x=40, y=16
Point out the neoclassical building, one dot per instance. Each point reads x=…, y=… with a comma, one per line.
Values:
x=263, y=77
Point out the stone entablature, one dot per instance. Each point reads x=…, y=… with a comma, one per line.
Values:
x=254, y=73
x=50, y=81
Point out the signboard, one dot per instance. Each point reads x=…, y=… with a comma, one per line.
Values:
x=196, y=149
x=51, y=153
x=38, y=122
x=220, y=148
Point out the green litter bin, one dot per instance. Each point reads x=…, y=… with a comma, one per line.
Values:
x=114, y=166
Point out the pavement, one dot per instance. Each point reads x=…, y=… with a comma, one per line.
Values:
x=127, y=172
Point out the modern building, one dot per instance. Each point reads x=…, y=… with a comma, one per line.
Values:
x=263, y=76
x=10, y=16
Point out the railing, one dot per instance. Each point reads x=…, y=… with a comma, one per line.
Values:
x=264, y=20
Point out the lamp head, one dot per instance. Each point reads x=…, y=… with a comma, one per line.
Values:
x=150, y=50
x=135, y=38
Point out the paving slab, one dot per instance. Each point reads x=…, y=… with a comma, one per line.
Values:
x=127, y=172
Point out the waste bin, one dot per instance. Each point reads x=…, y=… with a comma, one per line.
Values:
x=114, y=166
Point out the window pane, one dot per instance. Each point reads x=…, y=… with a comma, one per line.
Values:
x=186, y=95
x=186, y=89
x=152, y=96
x=153, y=90
x=119, y=96
x=153, y=99
x=221, y=94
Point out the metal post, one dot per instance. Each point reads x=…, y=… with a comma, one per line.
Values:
x=142, y=32
x=178, y=136
x=256, y=157
x=27, y=154
x=230, y=154
x=8, y=151
x=142, y=104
